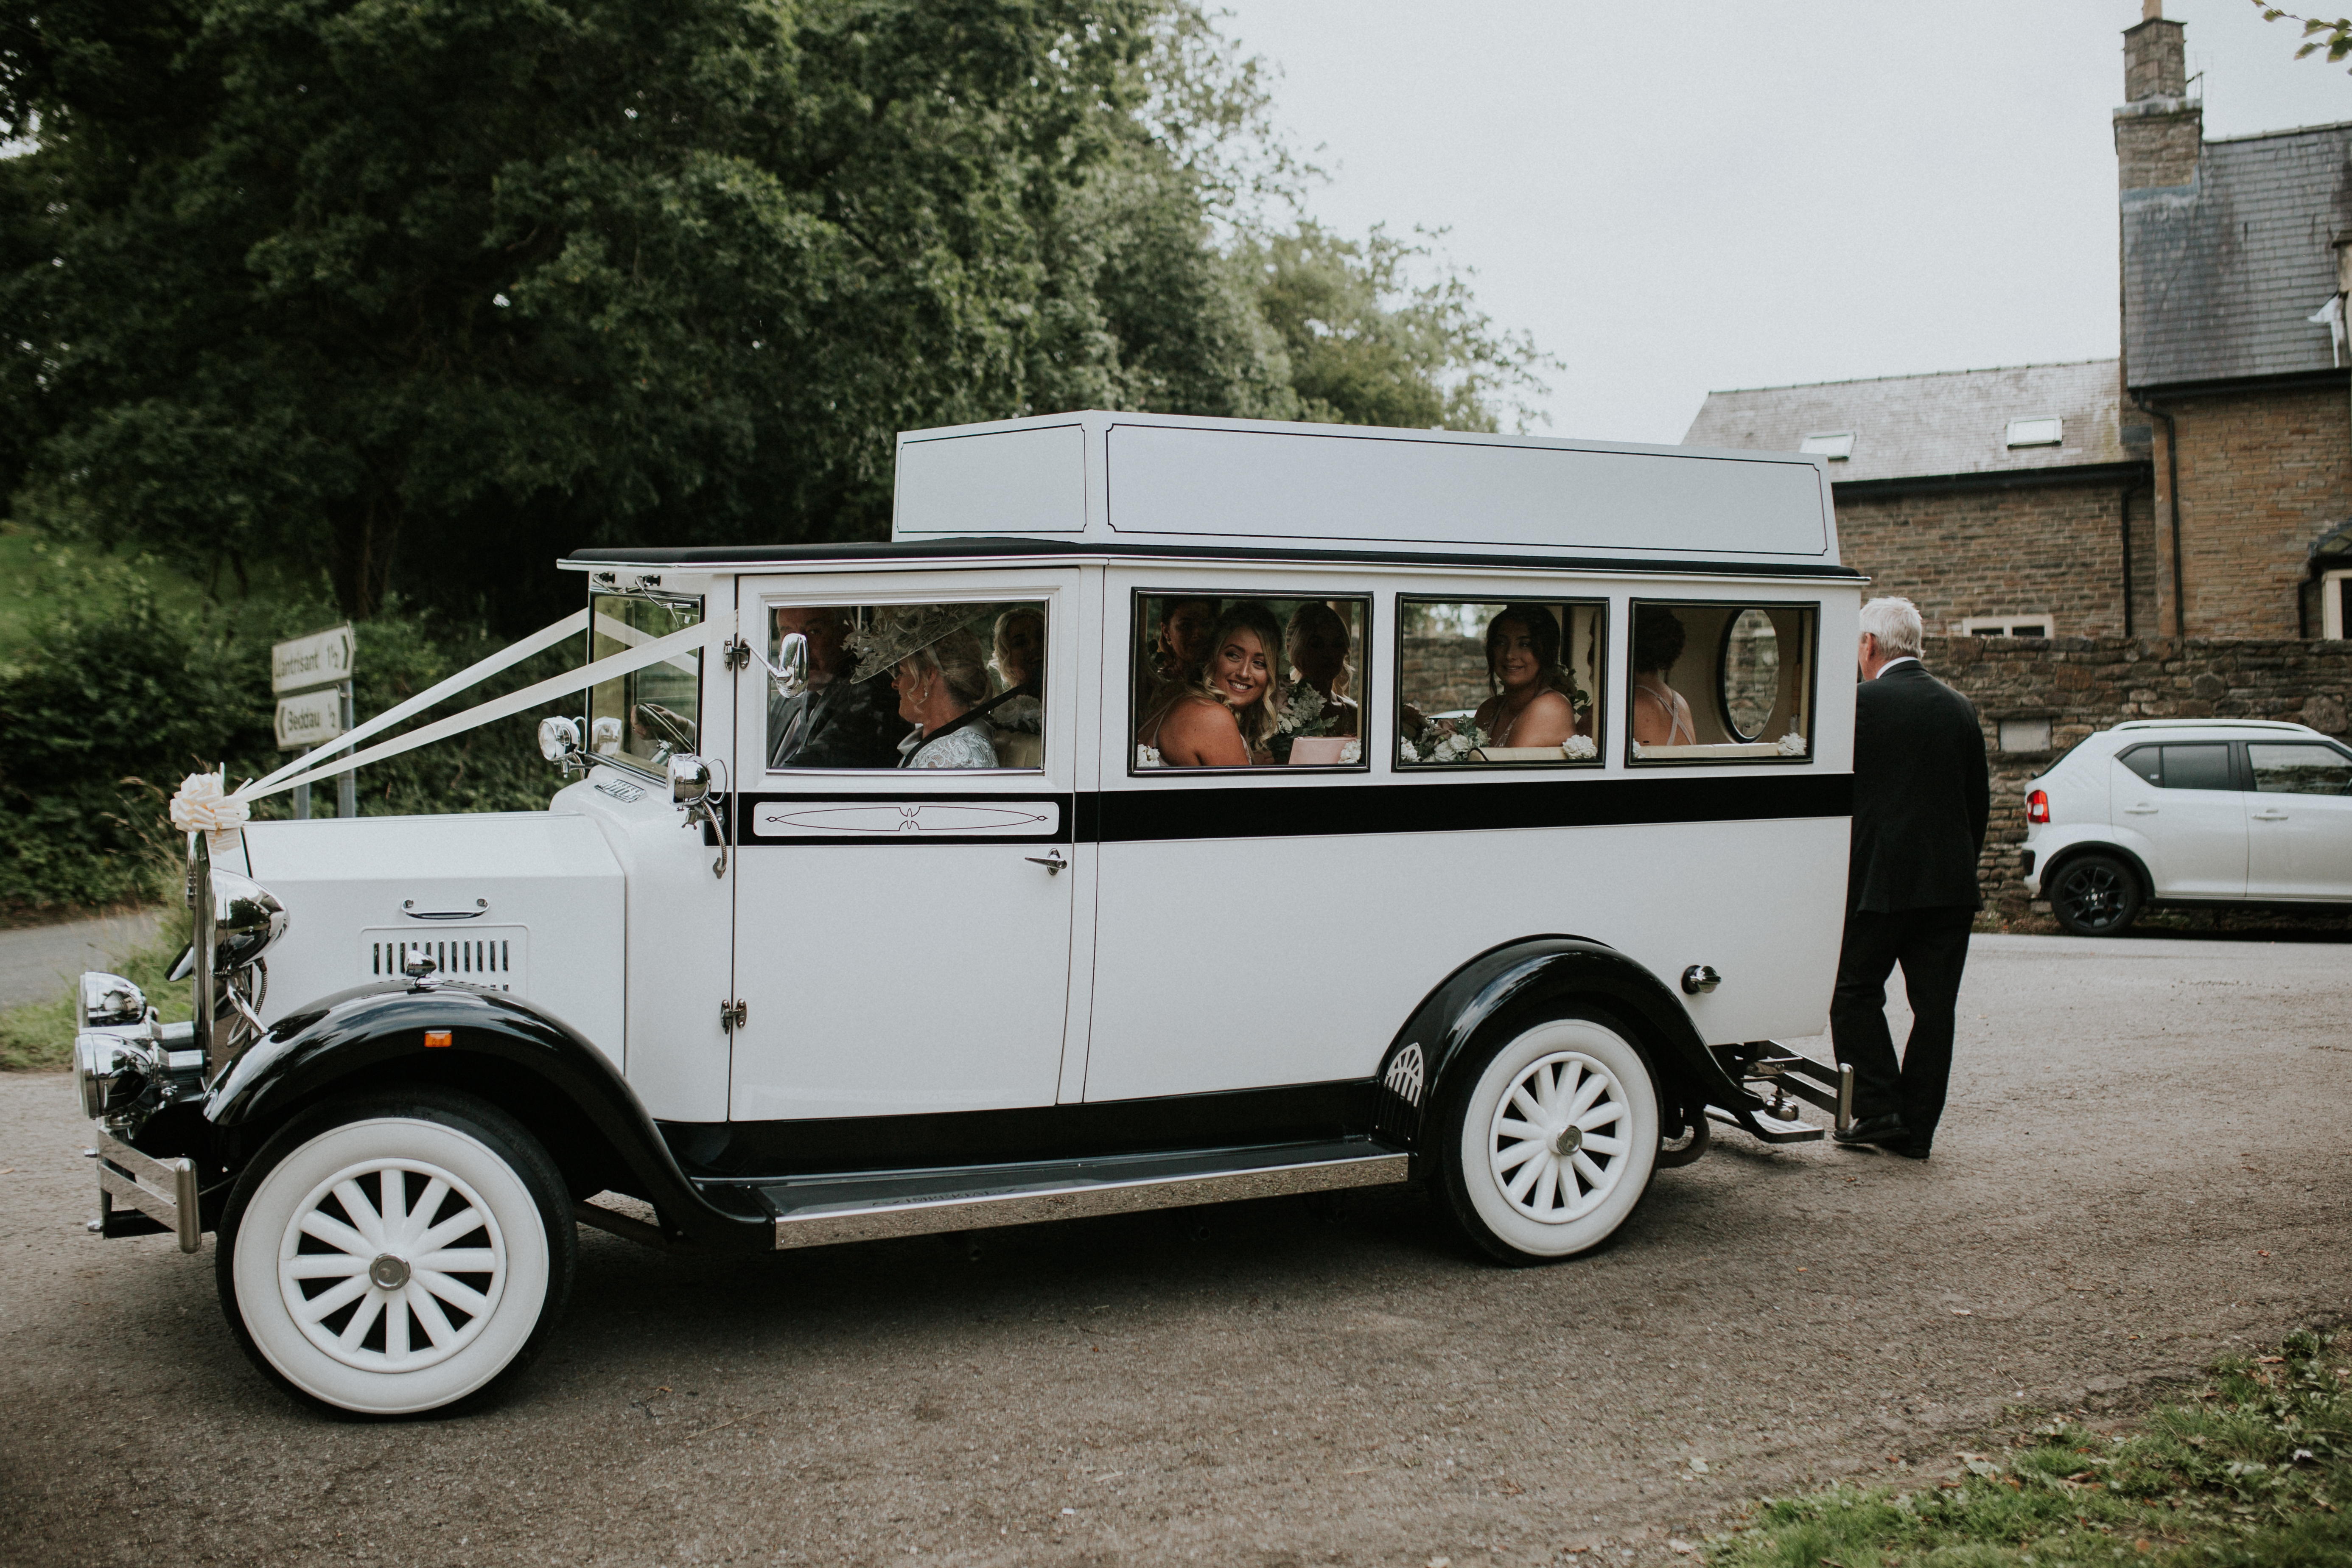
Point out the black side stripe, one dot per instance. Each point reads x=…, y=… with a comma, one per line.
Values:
x=1137, y=816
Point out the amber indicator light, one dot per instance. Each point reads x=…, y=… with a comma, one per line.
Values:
x=435, y=1038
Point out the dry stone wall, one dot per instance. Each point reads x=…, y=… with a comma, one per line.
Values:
x=2076, y=686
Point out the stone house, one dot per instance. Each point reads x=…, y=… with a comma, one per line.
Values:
x=2200, y=485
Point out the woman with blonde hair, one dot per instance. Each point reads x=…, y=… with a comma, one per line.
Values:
x=1225, y=720
x=1019, y=660
x=940, y=673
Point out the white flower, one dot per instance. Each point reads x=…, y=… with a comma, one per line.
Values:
x=1640, y=750
x=1353, y=752
x=1580, y=748
x=1405, y=751
x=203, y=804
x=1792, y=745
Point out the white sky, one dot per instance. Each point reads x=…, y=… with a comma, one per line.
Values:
x=1676, y=199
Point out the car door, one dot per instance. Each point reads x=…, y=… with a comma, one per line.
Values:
x=2299, y=821
x=903, y=933
x=2182, y=798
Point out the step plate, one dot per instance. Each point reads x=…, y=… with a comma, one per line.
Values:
x=818, y=1225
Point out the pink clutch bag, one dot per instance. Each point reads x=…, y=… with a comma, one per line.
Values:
x=1318, y=750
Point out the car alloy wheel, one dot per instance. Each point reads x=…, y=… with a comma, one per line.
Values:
x=2095, y=895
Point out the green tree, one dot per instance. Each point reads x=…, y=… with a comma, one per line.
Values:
x=419, y=294
x=2318, y=34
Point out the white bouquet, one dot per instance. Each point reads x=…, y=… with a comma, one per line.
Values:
x=1580, y=748
x=1792, y=745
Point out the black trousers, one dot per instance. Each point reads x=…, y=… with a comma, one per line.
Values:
x=1932, y=946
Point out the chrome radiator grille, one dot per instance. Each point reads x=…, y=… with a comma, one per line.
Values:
x=497, y=957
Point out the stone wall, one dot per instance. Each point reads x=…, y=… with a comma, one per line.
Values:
x=2049, y=550
x=2080, y=685
x=1445, y=673
x=2262, y=477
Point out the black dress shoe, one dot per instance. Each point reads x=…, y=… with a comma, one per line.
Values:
x=1910, y=1149
x=1872, y=1130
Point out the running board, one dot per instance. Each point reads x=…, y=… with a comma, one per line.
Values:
x=815, y=1211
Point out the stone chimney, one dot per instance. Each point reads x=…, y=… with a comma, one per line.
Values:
x=2160, y=129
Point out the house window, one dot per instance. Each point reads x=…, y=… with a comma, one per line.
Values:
x=2334, y=587
x=2051, y=432
x=2021, y=624
x=1837, y=446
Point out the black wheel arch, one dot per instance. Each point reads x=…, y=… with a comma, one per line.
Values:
x=525, y=1061
x=1499, y=985
x=2074, y=852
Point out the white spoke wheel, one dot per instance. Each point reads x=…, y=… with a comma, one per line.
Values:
x=1551, y=1141
x=395, y=1255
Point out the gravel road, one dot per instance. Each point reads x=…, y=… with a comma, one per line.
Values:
x=2144, y=1165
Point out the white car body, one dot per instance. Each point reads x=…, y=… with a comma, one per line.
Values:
x=2245, y=842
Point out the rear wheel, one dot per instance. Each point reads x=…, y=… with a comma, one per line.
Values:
x=395, y=1254
x=1550, y=1140
x=2095, y=895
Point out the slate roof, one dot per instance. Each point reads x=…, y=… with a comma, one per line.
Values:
x=1917, y=426
x=2219, y=274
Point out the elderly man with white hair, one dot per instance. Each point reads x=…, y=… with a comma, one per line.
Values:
x=1921, y=796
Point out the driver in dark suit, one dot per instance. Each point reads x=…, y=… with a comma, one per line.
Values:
x=838, y=721
x=1921, y=796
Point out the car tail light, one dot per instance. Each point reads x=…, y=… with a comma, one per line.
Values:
x=2037, y=806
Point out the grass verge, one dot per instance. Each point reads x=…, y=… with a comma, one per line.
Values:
x=39, y=1035
x=2247, y=1473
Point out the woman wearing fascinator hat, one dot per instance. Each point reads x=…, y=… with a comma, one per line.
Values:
x=940, y=674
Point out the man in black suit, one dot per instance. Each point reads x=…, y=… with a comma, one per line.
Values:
x=1920, y=799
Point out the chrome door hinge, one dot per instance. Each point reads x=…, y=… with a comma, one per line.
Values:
x=733, y=1015
x=739, y=653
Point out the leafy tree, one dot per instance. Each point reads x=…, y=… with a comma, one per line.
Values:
x=422, y=293
x=2335, y=36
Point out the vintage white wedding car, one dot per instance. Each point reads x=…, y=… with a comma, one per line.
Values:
x=1173, y=811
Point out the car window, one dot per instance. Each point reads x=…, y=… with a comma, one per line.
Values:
x=2300, y=769
x=2147, y=762
x=910, y=686
x=1507, y=685
x=650, y=715
x=1248, y=680
x=1717, y=681
x=2199, y=767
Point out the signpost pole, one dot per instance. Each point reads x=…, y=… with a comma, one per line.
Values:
x=347, y=795
x=302, y=794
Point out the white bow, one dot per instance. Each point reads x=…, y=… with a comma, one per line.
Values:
x=203, y=804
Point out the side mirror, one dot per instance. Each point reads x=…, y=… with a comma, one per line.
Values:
x=794, y=658
x=108, y=1001
x=559, y=739
x=689, y=780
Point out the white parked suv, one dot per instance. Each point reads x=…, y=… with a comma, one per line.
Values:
x=2190, y=811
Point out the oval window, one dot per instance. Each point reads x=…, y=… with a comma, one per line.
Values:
x=1751, y=673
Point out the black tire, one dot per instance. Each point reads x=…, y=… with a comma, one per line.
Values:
x=1581, y=1194
x=416, y=1209
x=2096, y=894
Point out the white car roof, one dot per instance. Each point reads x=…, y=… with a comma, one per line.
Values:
x=2270, y=724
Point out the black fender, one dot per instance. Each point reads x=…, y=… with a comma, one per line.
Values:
x=1500, y=983
x=2076, y=851
x=534, y=1066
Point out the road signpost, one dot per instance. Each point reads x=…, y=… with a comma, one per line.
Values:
x=311, y=678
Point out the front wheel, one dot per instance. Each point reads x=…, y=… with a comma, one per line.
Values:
x=2095, y=895
x=1551, y=1143
x=392, y=1255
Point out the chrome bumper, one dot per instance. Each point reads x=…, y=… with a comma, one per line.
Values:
x=163, y=1189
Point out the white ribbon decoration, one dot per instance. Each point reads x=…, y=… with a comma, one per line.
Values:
x=203, y=804
x=703, y=636
x=472, y=675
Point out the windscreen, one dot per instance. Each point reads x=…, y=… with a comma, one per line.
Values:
x=653, y=714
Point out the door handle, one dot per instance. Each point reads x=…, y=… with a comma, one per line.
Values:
x=1051, y=860
x=2270, y=816
x=2140, y=810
